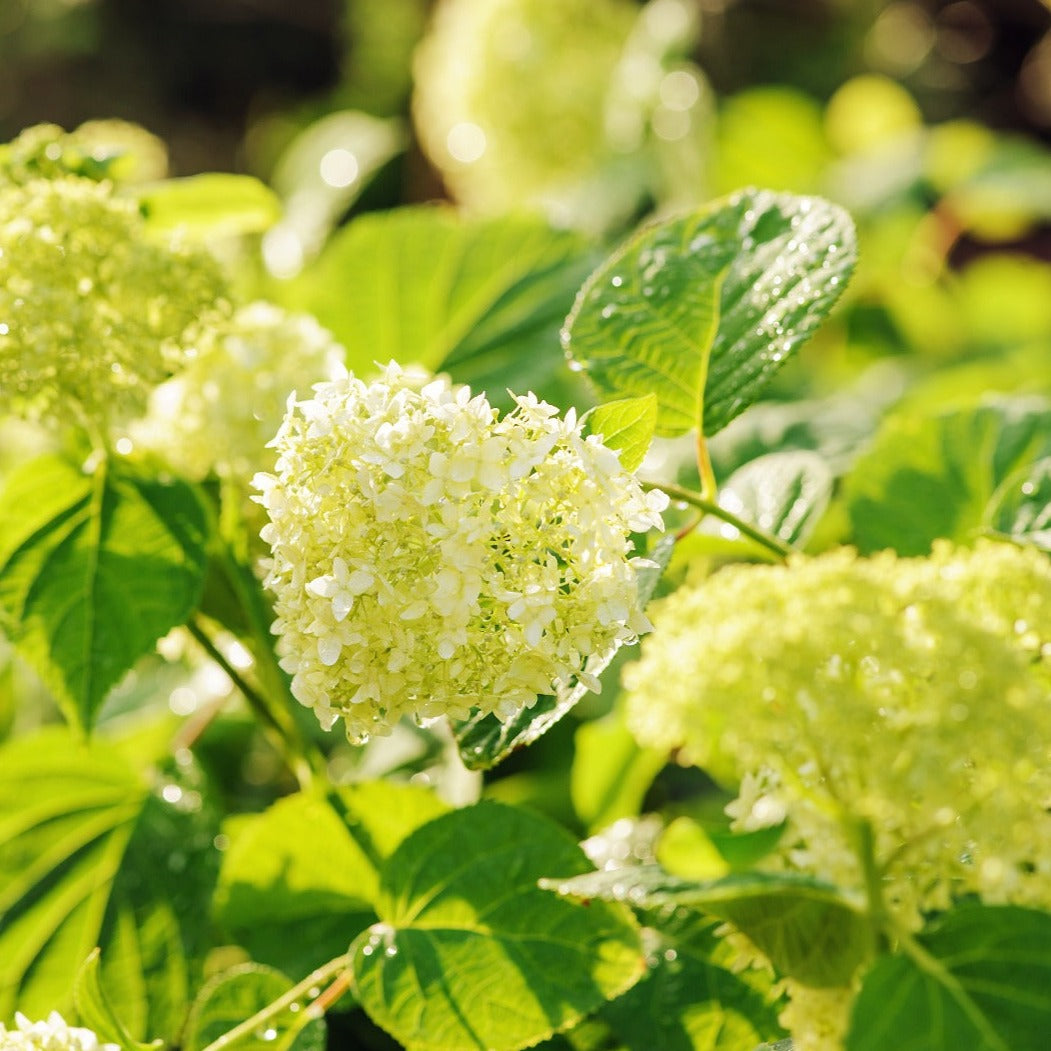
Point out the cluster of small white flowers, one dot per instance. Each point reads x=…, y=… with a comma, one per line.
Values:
x=51, y=1035
x=218, y=413
x=430, y=558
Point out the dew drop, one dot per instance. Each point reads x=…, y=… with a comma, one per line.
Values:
x=609, y=310
x=616, y=280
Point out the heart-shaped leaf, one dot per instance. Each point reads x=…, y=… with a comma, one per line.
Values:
x=702, y=310
x=94, y=569
x=470, y=953
x=294, y=900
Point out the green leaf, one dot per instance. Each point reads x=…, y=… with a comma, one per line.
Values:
x=690, y=1000
x=482, y=299
x=233, y=996
x=94, y=568
x=484, y=741
x=627, y=425
x=95, y=853
x=1021, y=507
x=97, y=1014
x=981, y=982
x=611, y=773
x=702, y=310
x=217, y=204
x=927, y=476
x=784, y=493
x=470, y=953
x=810, y=930
x=300, y=880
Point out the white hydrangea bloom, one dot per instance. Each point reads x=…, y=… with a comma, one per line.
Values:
x=218, y=413
x=430, y=558
x=50, y=1035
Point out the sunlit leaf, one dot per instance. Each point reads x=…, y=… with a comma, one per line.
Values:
x=627, y=426
x=983, y=983
x=96, y=1012
x=94, y=568
x=295, y=900
x=690, y=1000
x=231, y=997
x=929, y=476
x=217, y=204
x=470, y=953
x=95, y=853
x=704, y=309
x=482, y=299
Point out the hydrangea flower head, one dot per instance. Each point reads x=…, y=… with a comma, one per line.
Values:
x=430, y=557
x=912, y=693
x=98, y=149
x=519, y=115
x=93, y=311
x=50, y=1035
x=220, y=410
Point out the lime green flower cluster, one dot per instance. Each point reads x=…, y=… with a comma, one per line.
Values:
x=98, y=149
x=51, y=1035
x=93, y=311
x=223, y=407
x=430, y=558
x=817, y=1018
x=912, y=694
x=511, y=98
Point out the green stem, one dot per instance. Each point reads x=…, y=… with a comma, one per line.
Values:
x=281, y=729
x=709, y=486
x=861, y=833
x=688, y=496
x=275, y=694
x=322, y=974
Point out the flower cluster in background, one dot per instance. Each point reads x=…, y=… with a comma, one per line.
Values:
x=99, y=149
x=93, y=310
x=50, y=1035
x=430, y=558
x=573, y=145
x=217, y=414
x=907, y=692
